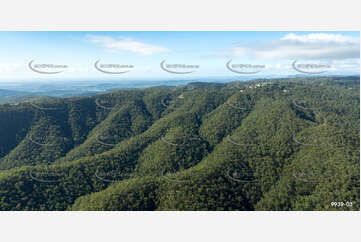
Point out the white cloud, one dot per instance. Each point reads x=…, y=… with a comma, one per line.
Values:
x=308, y=46
x=320, y=38
x=345, y=65
x=127, y=44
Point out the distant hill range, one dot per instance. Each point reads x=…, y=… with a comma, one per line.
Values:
x=280, y=144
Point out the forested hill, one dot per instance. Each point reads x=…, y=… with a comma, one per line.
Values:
x=288, y=144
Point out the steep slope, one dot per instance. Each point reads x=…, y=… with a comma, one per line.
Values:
x=272, y=146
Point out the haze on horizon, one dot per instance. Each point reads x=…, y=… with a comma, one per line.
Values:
x=145, y=50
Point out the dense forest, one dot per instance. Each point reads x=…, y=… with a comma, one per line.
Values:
x=285, y=144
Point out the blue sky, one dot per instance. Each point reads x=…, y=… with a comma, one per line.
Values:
x=145, y=50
